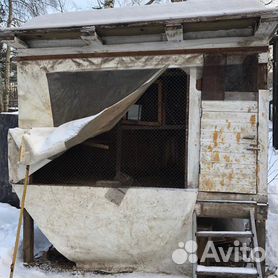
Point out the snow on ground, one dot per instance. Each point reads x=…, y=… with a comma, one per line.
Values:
x=9, y=218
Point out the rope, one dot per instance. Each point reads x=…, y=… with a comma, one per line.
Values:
x=23, y=198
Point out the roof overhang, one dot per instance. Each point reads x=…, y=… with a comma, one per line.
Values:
x=239, y=28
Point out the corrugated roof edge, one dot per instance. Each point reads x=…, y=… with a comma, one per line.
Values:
x=195, y=10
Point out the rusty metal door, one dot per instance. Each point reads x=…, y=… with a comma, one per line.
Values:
x=228, y=146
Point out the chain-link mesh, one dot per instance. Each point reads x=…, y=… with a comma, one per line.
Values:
x=147, y=148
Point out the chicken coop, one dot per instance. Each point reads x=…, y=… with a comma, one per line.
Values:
x=144, y=127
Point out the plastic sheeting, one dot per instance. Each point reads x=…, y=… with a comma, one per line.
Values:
x=37, y=146
x=35, y=104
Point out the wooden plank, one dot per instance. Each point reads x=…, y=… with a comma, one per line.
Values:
x=267, y=28
x=224, y=271
x=234, y=50
x=194, y=238
x=174, y=32
x=16, y=43
x=193, y=132
x=236, y=197
x=255, y=241
x=223, y=210
x=229, y=178
x=222, y=138
x=262, y=76
x=228, y=127
x=261, y=235
x=208, y=147
x=227, y=167
x=232, y=42
x=246, y=96
x=28, y=238
x=211, y=184
x=231, y=172
x=262, y=169
x=234, y=234
x=230, y=157
x=231, y=117
x=230, y=106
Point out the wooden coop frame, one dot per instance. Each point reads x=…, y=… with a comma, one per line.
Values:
x=206, y=87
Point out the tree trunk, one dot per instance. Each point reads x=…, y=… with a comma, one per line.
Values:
x=1, y=94
x=7, y=76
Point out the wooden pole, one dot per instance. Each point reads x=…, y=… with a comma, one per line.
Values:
x=20, y=221
x=28, y=238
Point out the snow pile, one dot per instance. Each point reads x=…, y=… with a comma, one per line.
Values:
x=184, y=10
x=272, y=222
x=8, y=226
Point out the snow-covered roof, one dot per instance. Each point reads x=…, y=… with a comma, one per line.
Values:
x=195, y=9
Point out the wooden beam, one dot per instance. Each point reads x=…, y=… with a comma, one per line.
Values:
x=266, y=29
x=28, y=238
x=193, y=132
x=199, y=44
x=262, y=142
x=174, y=33
x=90, y=37
x=16, y=43
x=234, y=50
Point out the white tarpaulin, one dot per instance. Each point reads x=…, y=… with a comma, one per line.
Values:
x=37, y=146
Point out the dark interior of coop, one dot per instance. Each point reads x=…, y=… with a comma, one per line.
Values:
x=147, y=148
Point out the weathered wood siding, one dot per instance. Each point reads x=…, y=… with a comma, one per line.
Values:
x=228, y=154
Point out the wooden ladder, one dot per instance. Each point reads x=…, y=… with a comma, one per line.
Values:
x=224, y=271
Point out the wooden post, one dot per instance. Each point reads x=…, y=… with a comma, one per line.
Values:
x=261, y=234
x=28, y=238
x=194, y=127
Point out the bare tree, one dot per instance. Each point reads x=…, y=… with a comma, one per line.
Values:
x=14, y=13
x=7, y=75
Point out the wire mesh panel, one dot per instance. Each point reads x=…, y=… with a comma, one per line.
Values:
x=147, y=148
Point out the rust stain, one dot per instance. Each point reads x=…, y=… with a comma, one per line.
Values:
x=210, y=148
x=229, y=125
x=222, y=140
x=215, y=138
x=210, y=165
x=227, y=158
x=238, y=137
x=216, y=157
x=222, y=183
x=209, y=184
x=253, y=120
x=230, y=177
